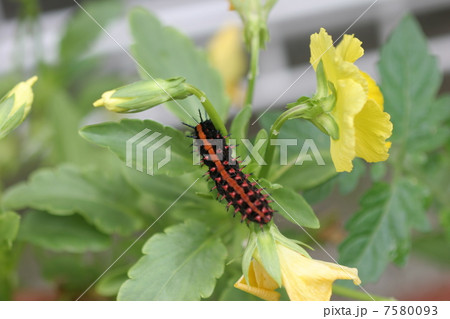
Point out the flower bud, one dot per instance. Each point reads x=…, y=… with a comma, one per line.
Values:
x=15, y=106
x=142, y=95
x=254, y=14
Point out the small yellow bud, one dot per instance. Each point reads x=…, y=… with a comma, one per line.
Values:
x=15, y=106
x=110, y=102
x=23, y=96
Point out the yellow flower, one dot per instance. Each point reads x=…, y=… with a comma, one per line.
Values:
x=358, y=112
x=226, y=54
x=15, y=106
x=308, y=279
x=304, y=279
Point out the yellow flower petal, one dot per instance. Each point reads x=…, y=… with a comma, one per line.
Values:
x=260, y=283
x=264, y=294
x=349, y=49
x=263, y=279
x=322, y=49
x=308, y=279
x=373, y=127
x=350, y=100
x=347, y=70
x=374, y=90
x=334, y=65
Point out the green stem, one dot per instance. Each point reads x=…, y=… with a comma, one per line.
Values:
x=357, y=294
x=253, y=72
x=213, y=115
x=294, y=112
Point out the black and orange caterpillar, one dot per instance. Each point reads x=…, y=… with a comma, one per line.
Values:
x=231, y=183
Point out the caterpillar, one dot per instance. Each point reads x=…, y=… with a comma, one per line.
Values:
x=230, y=181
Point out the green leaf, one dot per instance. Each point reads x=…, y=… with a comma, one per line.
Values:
x=434, y=131
x=181, y=264
x=133, y=136
x=110, y=283
x=211, y=212
x=62, y=233
x=320, y=192
x=410, y=79
x=292, y=206
x=380, y=231
x=164, y=53
x=267, y=250
x=349, y=181
x=239, y=125
x=192, y=194
x=82, y=30
x=9, y=226
x=106, y=202
x=432, y=171
x=163, y=190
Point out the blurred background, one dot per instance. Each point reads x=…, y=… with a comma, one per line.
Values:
x=285, y=59
x=32, y=38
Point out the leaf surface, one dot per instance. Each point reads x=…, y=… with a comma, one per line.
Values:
x=410, y=80
x=181, y=264
x=62, y=233
x=380, y=231
x=146, y=145
x=105, y=202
